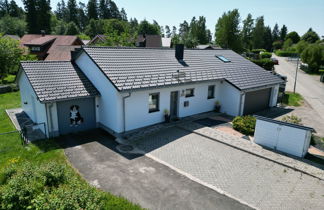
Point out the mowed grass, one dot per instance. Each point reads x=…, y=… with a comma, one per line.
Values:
x=292, y=99
x=39, y=153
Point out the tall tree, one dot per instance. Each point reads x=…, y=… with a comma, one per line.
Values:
x=72, y=29
x=267, y=40
x=82, y=17
x=44, y=15
x=123, y=14
x=133, y=23
x=167, y=31
x=227, y=31
x=104, y=10
x=114, y=10
x=258, y=33
x=293, y=36
x=198, y=30
x=283, y=33
x=62, y=12
x=183, y=29
x=275, y=33
x=246, y=32
x=72, y=9
x=31, y=16
x=147, y=28
x=92, y=9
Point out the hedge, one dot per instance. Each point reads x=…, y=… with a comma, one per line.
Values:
x=257, y=51
x=266, y=55
x=283, y=53
x=245, y=124
x=265, y=63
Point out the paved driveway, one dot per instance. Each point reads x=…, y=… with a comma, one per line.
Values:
x=259, y=182
x=138, y=178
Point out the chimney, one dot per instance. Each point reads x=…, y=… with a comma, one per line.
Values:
x=179, y=48
x=43, y=32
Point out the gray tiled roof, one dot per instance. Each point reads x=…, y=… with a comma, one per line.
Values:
x=134, y=68
x=57, y=80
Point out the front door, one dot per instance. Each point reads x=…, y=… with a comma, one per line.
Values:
x=174, y=104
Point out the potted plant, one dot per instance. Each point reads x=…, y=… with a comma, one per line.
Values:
x=217, y=106
x=166, y=115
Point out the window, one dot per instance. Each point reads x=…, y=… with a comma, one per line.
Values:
x=35, y=49
x=154, y=102
x=222, y=58
x=211, y=91
x=189, y=92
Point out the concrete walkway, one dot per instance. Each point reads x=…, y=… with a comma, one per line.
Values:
x=262, y=183
x=136, y=177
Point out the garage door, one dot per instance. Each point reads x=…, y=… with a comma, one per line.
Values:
x=257, y=100
x=76, y=115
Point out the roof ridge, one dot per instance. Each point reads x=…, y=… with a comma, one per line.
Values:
x=44, y=61
x=143, y=48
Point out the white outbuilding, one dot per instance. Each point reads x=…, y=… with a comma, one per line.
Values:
x=285, y=137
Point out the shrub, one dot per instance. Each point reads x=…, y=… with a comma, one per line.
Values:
x=265, y=63
x=266, y=55
x=257, y=51
x=244, y=124
x=292, y=119
x=283, y=53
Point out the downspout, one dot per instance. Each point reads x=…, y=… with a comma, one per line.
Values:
x=124, y=114
x=50, y=113
x=241, y=104
x=49, y=118
x=47, y=121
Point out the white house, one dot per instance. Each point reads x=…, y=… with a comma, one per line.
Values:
x=121, y=89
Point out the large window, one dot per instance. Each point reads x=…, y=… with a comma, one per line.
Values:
x=154, y=102
x=189, y=92
x=211, y=91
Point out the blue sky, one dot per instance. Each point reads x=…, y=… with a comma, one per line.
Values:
x=297, y=15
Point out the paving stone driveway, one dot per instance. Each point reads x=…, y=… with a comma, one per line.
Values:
x=261, y=183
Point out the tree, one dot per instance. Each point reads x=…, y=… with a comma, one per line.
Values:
x=277, y=44
x=103, y=10
x=275, y=33
x=247, y=31
x=198, y=29
x=72, y=29
x=82, y=17
x=31, y=16
x=174, y=31
x=12, y=25
x=147, y=28
x=301, y=46
x=114, y=10
x=62, y=12
x=227, y=31
x=167, y=31
x=283, y=33
x=183, y=29
x=92, y=9
x=258, y=33
x=310, y=36
x=133, y=24
x=10, y=9
x=72, y=9
x=10, y=54
x=44, y=15
x=267, y=40
x=123, y=14
x=293, y=36
x=313, y=55
x=287, y=44
x=60, y=28
x=94, y=27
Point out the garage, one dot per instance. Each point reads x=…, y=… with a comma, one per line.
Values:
x=256, y=101
x=76, y=115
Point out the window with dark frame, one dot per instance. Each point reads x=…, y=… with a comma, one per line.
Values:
x=189, y=92
x=154, y=99
x=211, y=91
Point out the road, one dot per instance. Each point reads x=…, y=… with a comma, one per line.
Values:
x=308, y=86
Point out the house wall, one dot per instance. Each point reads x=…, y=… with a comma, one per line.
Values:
x=137, y=107
x=274, y=96
x=53, y=126
x=109, y=105
x=29, y=103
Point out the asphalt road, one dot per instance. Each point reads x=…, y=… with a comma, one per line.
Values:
x=308, y=86
x=138, y=178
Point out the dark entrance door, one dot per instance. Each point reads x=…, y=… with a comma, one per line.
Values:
x=174, y=104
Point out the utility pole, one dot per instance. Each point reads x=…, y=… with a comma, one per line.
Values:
x=296, y=74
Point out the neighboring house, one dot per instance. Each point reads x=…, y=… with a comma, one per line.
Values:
x=153, y=41
x=15, y=37
x=207, y=47
x=121, y=89
x=98, y=39
x=43, y=45
x=166, y=42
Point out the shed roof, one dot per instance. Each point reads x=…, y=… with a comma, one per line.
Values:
x=57, y=80
x=136, y=68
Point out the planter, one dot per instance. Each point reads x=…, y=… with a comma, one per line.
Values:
x=167, y=118
x=217, y=108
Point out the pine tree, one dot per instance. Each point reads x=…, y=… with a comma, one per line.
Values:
x=123, y=14
x=258, y=33
x=267, y=39
x=104, y=10
x=283, y=33
x=167, y=31
x=82, y=17
x=72, y=11
x=44, y=15
x=92, y=9
x=114, y=10
x=247, y=31
x=31, y=16
x=275, y=33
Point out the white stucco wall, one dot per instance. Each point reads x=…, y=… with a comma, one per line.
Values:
x=274, y=96
x=109, y=110
x=137, y=110
x=29, y=103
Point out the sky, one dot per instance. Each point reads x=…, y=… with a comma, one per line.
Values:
x=297, y=15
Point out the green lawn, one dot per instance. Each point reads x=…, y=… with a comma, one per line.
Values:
x=292, y=99
x=20, y=190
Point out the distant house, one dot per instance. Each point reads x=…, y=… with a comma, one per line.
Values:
x=120, y=89
x=166, y=42
x=207, y=47
x=44, y=45
x=98, y=39
x=15, y=37
x=149, y=41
